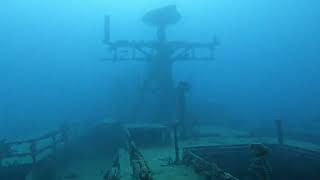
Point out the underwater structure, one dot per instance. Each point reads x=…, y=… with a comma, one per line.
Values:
x=157, y=152
x=160, y=55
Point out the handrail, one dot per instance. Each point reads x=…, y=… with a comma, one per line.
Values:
x=35, y=146
x=46, y=136
x=140, y=168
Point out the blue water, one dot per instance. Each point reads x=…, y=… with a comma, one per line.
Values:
x=266, y=67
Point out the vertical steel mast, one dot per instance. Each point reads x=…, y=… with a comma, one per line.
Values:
x=160, y=55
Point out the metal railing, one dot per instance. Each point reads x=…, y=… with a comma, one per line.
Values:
x=140, y=168
x=34, y=148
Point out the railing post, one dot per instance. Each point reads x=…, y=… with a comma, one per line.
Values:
x=54, y=144
x=176, y=143
x=182, y=89
x=279, y=131
x=0, y=160
x=33, y=151
x=2, y=151
x=65, y=133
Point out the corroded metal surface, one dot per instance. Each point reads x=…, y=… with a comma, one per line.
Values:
x=208, y=169
x=254, y=161
x=140, y=168
x=114, y=172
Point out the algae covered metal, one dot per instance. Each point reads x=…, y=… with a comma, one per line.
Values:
x=253, y=162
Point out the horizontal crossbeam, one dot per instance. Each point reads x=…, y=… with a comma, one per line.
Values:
x=143, y=51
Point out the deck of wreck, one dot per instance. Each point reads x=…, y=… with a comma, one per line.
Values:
x=158, y=157
x=93, y=165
